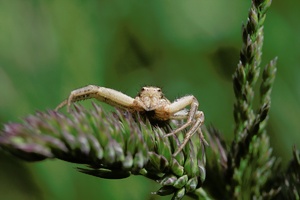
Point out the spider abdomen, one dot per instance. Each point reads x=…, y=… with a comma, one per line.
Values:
x=154, y=118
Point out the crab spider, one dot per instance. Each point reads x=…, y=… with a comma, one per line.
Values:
x=149, y=101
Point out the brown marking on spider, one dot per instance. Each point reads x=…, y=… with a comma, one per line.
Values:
x=149, y=99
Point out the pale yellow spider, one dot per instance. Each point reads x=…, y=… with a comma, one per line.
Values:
x=151, y=102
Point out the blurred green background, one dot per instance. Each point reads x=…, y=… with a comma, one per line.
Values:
x=48, y=48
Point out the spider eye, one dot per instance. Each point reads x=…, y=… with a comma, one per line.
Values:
x=143, y=89
x=159, y=90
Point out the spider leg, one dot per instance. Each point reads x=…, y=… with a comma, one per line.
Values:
x=178, y=113
x=195, y=127
x=62, y=104
x=194, y=118
x=109, y=96
x=202, y=137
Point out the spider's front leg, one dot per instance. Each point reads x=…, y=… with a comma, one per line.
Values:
x=109, y=96
x=195, y=127
x=194, y=118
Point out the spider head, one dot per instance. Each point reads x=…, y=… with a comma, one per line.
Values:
x=151, y=97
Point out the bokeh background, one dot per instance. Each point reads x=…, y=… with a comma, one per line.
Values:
x=48, y=48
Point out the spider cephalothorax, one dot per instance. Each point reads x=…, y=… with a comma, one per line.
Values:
x=151, y=98
x=152, y=103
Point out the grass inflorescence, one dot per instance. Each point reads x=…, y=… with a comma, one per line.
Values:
x=113, y=145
